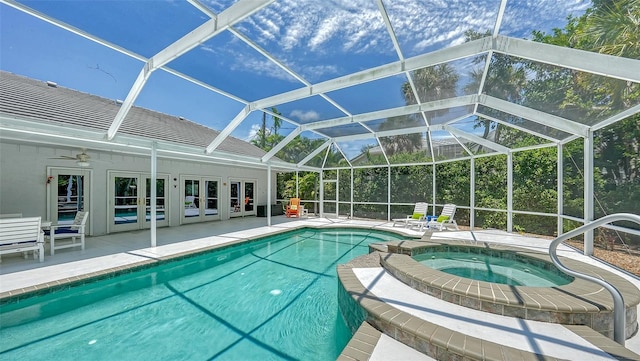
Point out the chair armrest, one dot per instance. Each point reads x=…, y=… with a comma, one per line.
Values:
x=73, y=227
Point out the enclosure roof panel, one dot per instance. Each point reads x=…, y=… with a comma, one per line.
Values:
x=345, y=77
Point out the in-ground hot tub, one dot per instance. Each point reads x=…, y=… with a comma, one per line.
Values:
x=485, y=264
x=577, y=302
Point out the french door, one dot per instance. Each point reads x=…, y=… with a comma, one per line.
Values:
x=242, y=197
x=69, y=192
x=201, y=197
x=130, y=201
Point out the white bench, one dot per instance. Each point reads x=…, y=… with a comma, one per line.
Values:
x=22, y=235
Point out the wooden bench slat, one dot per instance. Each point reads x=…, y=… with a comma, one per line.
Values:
x=21, y=235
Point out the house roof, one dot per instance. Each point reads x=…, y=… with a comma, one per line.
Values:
x=51, y=103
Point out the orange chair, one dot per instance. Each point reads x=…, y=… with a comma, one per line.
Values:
x=293, y=208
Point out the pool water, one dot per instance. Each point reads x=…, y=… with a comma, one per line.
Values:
x=487, y=268
x=274, y=299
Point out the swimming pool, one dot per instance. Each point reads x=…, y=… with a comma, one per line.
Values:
x=514, y=271
x=270, y=299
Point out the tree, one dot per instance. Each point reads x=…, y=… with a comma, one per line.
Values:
x=433, y=83
x=405, y=143
x=505, y=79
x=265, y=138
x=613, y=27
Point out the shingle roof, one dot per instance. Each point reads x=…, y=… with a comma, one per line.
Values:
x=35, y=100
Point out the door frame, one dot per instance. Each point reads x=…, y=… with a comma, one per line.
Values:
x=52, y=196
x=141, y=209
x=241, y=196
x=202, y=217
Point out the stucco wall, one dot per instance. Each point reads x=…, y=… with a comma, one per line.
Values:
x=24, y=170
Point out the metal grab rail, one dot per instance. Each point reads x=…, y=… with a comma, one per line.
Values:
x=618, y=301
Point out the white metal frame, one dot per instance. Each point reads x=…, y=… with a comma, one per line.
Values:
x=627, y=69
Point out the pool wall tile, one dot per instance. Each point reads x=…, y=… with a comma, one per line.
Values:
x=361, y=346
x=456, y=345
x=473, y=348
x=426, y=330
x=484, y=293
x=401, y=319
x=425, y=346
x=413, y=324
x=355, y=354
x=538, y=315
x=560, y=317
x=450, y=297
x=405, y=336
x=490, y=351
x=492, y=307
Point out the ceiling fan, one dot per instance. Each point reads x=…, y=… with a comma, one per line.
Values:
x=82, y=159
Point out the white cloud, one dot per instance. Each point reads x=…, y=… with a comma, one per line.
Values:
x=354, y=148
x=301, y=115
x=298, y=31
x=328, y=28
x=258, y=65
x=208, y=49
x=321, y=69
x=253, y=131
x=547, y=14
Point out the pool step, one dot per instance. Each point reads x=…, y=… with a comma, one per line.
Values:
x=370, y=344
x=444, y=331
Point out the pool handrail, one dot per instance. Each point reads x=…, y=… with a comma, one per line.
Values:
x=618, y=301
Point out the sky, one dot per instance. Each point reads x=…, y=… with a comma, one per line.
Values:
x=316, y=40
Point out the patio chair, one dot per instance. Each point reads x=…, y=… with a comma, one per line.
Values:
x=190, y=202
x=293, y=208
x=62, y=231
x=419, y=212
x=443, y=221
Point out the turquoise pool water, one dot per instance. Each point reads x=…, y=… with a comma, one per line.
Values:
x=274, y=299
x=488, y=268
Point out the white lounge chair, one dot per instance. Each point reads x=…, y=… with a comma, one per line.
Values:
x=443, y=221
x=419, y=212
x=73, y=231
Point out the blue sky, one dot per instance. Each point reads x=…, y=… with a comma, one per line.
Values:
x=319, y=40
